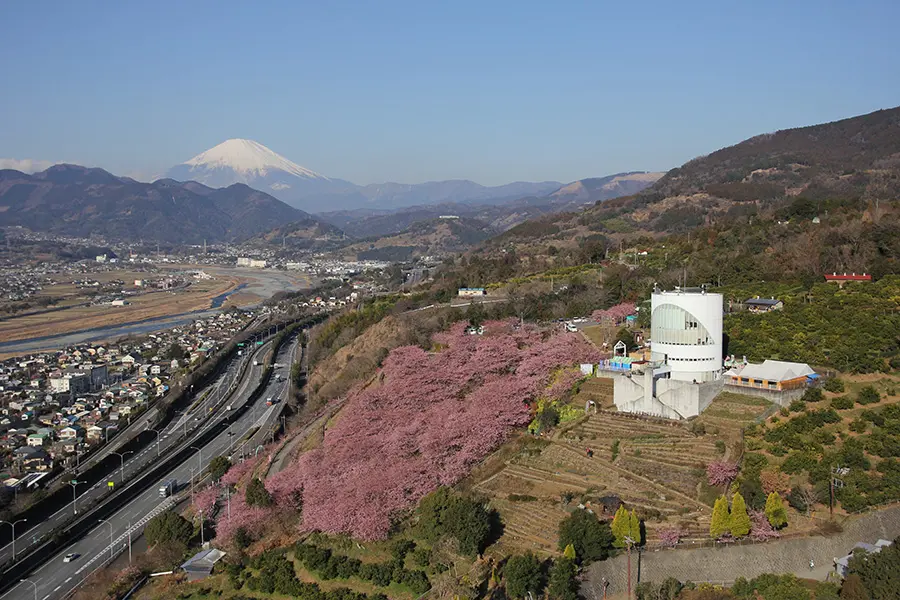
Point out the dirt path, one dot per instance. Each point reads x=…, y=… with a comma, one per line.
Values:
x=286, y=454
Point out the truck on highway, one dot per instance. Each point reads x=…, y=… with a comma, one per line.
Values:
x=167, y=488
x=255, y=363
x=271, y=400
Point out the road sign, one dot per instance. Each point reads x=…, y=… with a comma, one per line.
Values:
x=241, y=344
x=110, y=484
x=259, y=343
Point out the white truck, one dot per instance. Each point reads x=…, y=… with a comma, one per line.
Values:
x=167, y=488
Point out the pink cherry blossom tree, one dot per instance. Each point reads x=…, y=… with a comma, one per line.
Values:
x=760, y=528
x=669, y=536
x=431, y=417
x=721, y=472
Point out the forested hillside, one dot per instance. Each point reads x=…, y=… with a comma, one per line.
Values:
x=794, y=203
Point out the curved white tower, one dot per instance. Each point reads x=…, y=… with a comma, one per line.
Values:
x=686, y=334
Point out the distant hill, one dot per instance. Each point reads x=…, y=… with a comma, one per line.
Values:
x=597, y=189
x=425, y=238
x=78, y=201
x=809, y=171
x=306, y=233
x=500, y=214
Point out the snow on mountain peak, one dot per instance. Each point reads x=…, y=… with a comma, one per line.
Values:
x=248, y=159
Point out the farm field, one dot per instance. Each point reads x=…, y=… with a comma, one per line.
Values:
x=657, y=469
x=655, y=466
x=145, y=306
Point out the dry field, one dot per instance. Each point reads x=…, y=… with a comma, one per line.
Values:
x=146, y=306
x=659, y=469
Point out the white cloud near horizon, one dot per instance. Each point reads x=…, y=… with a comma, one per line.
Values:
x=26, y=165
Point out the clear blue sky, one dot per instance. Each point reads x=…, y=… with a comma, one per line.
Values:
x=412, y=91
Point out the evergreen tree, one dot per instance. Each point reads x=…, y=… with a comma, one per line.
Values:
x=591, y=538
x=719, y=524
x=739, y=522
x=775, y=511
x=563, y=585
x=523, y=574
x=853, y=588
x=634, y=528
x=621, y=526
x=256, y=493
x=569, y=552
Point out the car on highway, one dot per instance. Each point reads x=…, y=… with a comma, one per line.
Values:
x=70, y=557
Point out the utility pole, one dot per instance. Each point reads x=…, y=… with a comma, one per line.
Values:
x=836, y=472
x=202, y=537
x=628, y=544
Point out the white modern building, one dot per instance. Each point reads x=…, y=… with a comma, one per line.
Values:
x=686, y=334
x=684, y=372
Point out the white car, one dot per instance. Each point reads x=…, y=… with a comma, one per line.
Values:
x=70, y=557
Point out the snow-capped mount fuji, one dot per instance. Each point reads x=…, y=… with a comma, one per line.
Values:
x=251, y=163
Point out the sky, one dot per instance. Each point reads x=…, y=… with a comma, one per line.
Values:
x=374, y=91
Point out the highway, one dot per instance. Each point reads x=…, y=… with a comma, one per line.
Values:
x=55, y=578
x=203, y=404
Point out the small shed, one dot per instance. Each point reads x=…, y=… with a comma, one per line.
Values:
x=201, y=564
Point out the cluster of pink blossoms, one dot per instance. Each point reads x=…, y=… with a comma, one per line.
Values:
x=721, y=472
x=433, y=416
x=616, y=313
x=760, y=528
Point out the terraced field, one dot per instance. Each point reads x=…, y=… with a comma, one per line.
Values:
x=729, y=413
x=657, y=470
x=598, y=389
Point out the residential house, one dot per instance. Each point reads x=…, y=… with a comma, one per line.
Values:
x=842, y=278
x=38, y=440
x=763, y=305
x=72, y=432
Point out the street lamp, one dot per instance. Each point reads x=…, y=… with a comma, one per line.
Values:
x=32, y=583
x=156, y=431
x=129, y=542
x=74, y=483
x=121, y=456
x=111, y=555
x=13, y=524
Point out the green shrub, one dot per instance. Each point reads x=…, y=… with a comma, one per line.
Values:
x=868, y=395
x=813, y=394
x=834, y=384
x=842, y=403
x=720, y=446
x=798, y=462
x=797, y=406
x=858, y=425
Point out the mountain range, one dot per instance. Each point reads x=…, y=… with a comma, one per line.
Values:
x=251, y=163
x=498, y=214
x=81, y=202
